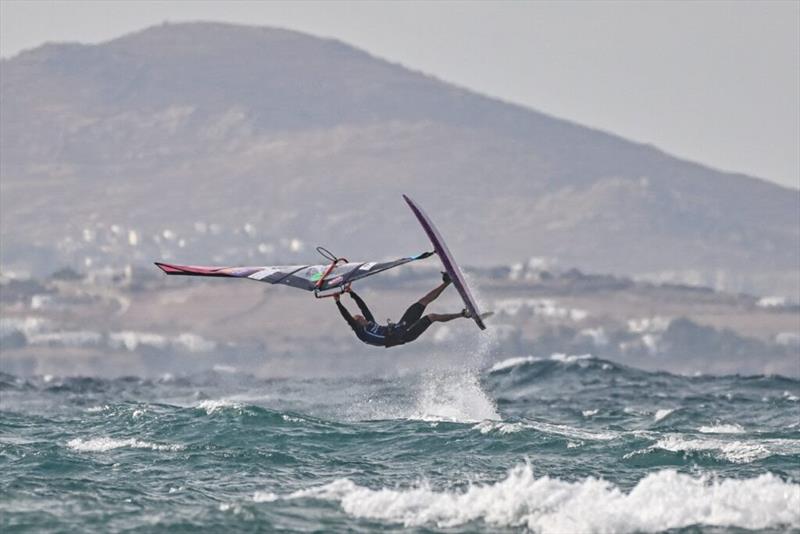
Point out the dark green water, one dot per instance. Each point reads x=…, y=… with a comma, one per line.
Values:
x=558, y=445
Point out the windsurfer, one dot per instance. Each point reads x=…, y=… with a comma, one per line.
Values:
x=410, y=327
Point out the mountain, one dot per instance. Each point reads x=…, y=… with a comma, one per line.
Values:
x=203, y=140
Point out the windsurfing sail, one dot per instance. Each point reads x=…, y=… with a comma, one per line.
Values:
x=316, y=278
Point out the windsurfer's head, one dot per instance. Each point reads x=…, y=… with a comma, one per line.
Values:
x=360, y=320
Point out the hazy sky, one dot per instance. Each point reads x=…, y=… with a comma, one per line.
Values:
x=715, y=82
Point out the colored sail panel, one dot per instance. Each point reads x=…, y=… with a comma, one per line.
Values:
x=304, y=277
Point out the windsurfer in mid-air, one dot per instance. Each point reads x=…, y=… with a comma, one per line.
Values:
x=410, y=327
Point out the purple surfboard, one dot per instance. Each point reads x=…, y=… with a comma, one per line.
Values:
x=448, y=262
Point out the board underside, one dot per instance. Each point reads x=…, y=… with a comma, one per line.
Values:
x=448, y=261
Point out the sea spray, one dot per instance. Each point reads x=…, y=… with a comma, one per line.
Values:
x=455, y=393
x=452, y=395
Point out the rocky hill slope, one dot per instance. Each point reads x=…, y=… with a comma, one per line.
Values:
x=147, y=145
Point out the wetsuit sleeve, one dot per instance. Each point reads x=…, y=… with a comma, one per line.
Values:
x=363, y=307
x=347, y=317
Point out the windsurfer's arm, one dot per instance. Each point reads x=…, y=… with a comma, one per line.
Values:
x=346, y=314
x=362, y=306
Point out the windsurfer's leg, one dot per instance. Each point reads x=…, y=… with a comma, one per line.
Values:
x=433, y=294
x=443, y=317
x=413, y=313
x=416, y=329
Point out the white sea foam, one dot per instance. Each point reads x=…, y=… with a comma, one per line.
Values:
x=485, y=427
x=512, y=362
x=502, y=427
x=722, y=429
x=570, y=358
x=292, y=419
x=522, y=360
x=213, y=405
x=265, y=496
x=107, y=444
x=229, y=507
x=574, y=433
x=662, y=413
x=734, y=451
x=660, y=501
x=739, y=452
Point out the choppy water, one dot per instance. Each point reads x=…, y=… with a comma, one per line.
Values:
x=559, y=445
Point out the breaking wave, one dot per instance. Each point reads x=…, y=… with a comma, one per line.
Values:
x=738, y=452
x=660, y=501
x=722, y=429
x=212, y=406
x=501, y=427
x=510, y=363
x=107, y=444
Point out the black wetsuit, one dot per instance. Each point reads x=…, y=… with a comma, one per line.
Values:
x=410, y=327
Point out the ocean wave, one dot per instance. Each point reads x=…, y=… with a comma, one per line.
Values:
x=210, y=406
x=738, y=452
x=508, y=363
x=265, y=496
x=575, y=433
x=292, y=419
x=722, y=428
x=107, y=444
x=660, y=501
x=501, y=427
x=526, y=369
x=662, y=414
x=486, y=427
x=234, y=407
x=518, y=361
